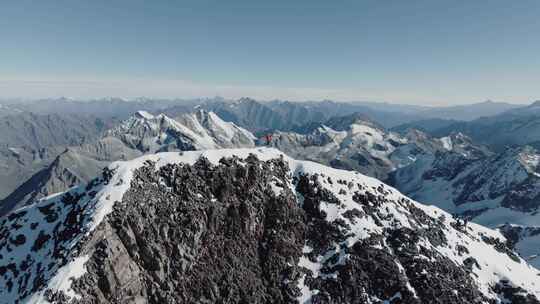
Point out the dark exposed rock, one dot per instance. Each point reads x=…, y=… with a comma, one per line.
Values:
x=49, y=212
x=514, y=294
x=40, y=241
x=501, y=247
x=371, y=270
x=205, y=234
x=247, y=231
x=18, y=240
x=446, y=166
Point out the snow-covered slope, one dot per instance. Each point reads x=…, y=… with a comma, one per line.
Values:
x=310, y=232
x=191, y=131
x=493, y=191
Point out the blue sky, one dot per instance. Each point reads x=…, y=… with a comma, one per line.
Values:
x=421, y=52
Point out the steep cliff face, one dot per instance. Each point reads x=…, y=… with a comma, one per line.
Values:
x=250, y=226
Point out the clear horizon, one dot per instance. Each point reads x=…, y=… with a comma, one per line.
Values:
x=414, y=52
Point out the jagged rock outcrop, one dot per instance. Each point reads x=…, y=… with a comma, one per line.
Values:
x=220, y=234
x=250, y=226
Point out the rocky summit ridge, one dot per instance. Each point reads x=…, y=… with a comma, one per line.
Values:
x=249, y=226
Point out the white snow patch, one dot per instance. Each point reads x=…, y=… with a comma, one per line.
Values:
x=145, y=115
x=63, y=279
x=447, y=142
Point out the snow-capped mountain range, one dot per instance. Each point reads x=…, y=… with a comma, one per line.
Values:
x=364, y=146
x=250, y=226
x=452, y=172
x=140, y=134
x=191, y=131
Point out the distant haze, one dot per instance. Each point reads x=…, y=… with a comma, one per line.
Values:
x=415, y=52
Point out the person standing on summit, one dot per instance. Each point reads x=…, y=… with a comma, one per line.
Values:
x=268, y=139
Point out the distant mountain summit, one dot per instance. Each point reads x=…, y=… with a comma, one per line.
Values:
x=261, y=116
x=517, y=126
x=469, y=112
x=190, y=131
x=354, y=142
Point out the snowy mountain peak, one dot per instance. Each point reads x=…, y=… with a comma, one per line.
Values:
x=170, y=225
x=460, y=138
x=460, y=143
x=530, y=158
x=343, y=123
x=191, y=131
x=144, y=115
